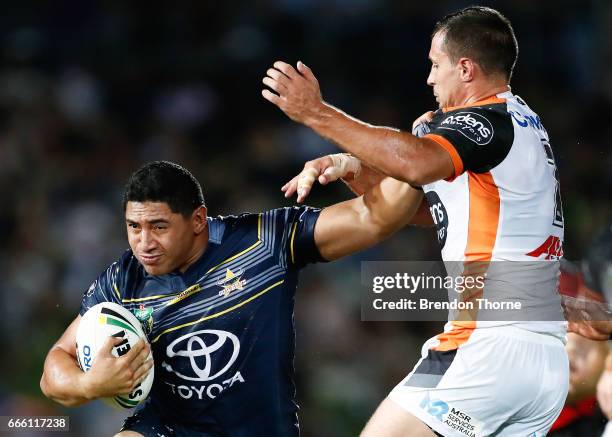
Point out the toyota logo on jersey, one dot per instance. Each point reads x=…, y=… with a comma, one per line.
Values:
x=209, y=354
x=474, y=127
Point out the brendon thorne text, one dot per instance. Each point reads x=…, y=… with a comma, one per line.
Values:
x=426, y=304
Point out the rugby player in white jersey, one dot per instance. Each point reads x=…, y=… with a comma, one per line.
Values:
x=485, y=166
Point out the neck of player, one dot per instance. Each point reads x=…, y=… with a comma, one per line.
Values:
x=477, y=94
x=200, y=244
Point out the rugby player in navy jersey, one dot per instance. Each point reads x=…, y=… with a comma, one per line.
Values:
x=215, y=297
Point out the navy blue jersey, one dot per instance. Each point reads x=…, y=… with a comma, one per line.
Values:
x=222, y=332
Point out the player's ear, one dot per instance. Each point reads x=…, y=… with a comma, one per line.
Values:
x=466, y=69
x=199, y=219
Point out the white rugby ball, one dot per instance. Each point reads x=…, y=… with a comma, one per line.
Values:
x=97, y=324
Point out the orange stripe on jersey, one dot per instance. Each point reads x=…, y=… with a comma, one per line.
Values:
x=458, y=335
x=484, y=217
x=487, y=101
x=482, y=234
x=448, y=146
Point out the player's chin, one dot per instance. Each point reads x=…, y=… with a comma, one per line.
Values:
x=157, y=270
x=153, y=265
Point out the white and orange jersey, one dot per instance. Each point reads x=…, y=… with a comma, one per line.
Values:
x=503, y=202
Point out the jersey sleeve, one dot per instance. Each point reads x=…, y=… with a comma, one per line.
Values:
x=297, y=244
x=476, y=138
x=103, y=289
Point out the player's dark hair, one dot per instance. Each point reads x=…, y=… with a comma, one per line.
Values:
x=163, y=181
x=482, y=34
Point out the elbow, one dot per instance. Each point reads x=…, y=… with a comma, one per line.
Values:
x=49, y=393
x=417, y=177
x=44, y=387
x=411, y=173
x=47, y=390
x=70, y=403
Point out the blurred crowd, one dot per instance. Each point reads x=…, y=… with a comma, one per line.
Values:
x=91, y=90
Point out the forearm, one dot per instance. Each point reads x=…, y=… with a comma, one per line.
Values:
x=391, y=205
x=370, y=178
x=392, y=152
x=367, y=179
x=62, y=379
x=355, y=225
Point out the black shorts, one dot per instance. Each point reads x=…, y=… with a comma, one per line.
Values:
x=148, y=421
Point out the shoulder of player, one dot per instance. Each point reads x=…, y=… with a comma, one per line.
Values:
x=122, y=274
x=223, y=226
x=234, y=221
x=484, y=124
x=481, y=135
x=274, y=214
x=127, y=262
x=291, y=214
x=129, y=271
x=495, y=113
x=273, y=220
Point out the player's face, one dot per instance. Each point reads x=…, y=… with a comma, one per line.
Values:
x=444, y=76
x=163, y=241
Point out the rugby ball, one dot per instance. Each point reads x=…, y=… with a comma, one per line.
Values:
x=97, y=324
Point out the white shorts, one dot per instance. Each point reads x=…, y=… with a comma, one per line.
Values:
x=502, y=381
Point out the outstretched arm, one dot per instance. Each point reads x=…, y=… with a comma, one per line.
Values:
x=356, y=224
x=392, y=152
x=353, y=225
x=359, y=177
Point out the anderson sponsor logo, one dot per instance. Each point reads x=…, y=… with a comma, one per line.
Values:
x=452, y=417
x=474, y=127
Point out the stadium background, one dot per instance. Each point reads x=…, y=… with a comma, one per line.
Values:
x=91, y=90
